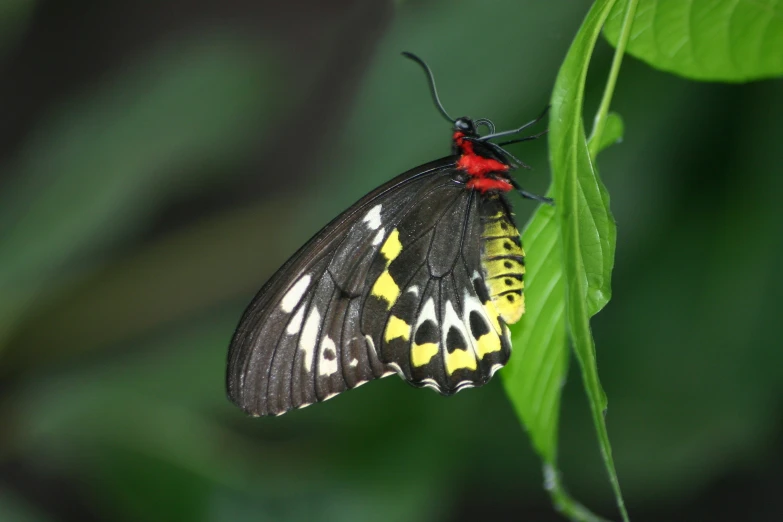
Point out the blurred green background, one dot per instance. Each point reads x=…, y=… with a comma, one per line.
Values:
x=158, y=161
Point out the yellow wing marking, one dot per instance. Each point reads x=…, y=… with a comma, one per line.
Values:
x=392, y=247
x=396, y=327
x=492, y=313
x=422, y=354
x=459, y=359
x=386, y=289
x=487, y=343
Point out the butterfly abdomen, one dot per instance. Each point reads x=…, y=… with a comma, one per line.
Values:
x=503, y=262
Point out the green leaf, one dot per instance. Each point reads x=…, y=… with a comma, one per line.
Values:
x=718, y=40
x=587, y=229
x=613, y=132
x=534, y=375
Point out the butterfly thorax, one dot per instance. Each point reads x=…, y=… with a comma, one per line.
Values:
x=502, y=256
x=487, y=170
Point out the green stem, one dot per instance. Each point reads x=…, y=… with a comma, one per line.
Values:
x=603, y=110
x=563, y=502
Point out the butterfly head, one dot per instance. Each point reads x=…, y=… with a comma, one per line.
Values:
x=466, y=127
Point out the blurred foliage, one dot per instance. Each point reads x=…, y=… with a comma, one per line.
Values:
x=14, y=15
x=143, y=207
x=147, y=128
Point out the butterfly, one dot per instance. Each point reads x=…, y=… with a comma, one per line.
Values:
x=421, y=277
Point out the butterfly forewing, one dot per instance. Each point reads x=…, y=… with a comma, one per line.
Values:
x=397, y=283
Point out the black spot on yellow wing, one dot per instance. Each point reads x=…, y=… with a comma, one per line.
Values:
x=427, y=332
x=383, y=321
x=425, y=240
x=460, y=358
x=478, y=327
x=483, y=325
x=487, y=328
x=426, y=364
x=426, y=344
x=455, y=341
x=481, y=289
x=398, y=332
x=459, y=355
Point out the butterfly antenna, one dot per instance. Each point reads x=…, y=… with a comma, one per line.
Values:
x=434, y=91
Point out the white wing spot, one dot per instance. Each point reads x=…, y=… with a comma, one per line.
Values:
x=471, y=304
x=370, y=343
x=452, y=320
x=373, y=217
x=414, y=290
x=296, y=322
x=379, y=237
x=431, y=384
x=427, y=313
x=353, y=362
x=463, y=385
x=295, y=294
x=327, y=366
x=396, y=368
x=309, y=335
x=495, y=367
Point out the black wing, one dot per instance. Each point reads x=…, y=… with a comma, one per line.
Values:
x=394, y=284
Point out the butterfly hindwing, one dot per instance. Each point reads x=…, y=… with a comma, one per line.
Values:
x=443, y=329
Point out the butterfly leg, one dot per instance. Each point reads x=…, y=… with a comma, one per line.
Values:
x=529, y=195
x=517, y=130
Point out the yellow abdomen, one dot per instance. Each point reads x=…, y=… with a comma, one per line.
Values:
x=503, y=262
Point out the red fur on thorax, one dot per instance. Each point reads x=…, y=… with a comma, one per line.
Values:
x=485, y=184
x=478, y=167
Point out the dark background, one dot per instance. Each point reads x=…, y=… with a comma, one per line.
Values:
x=158, y=161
